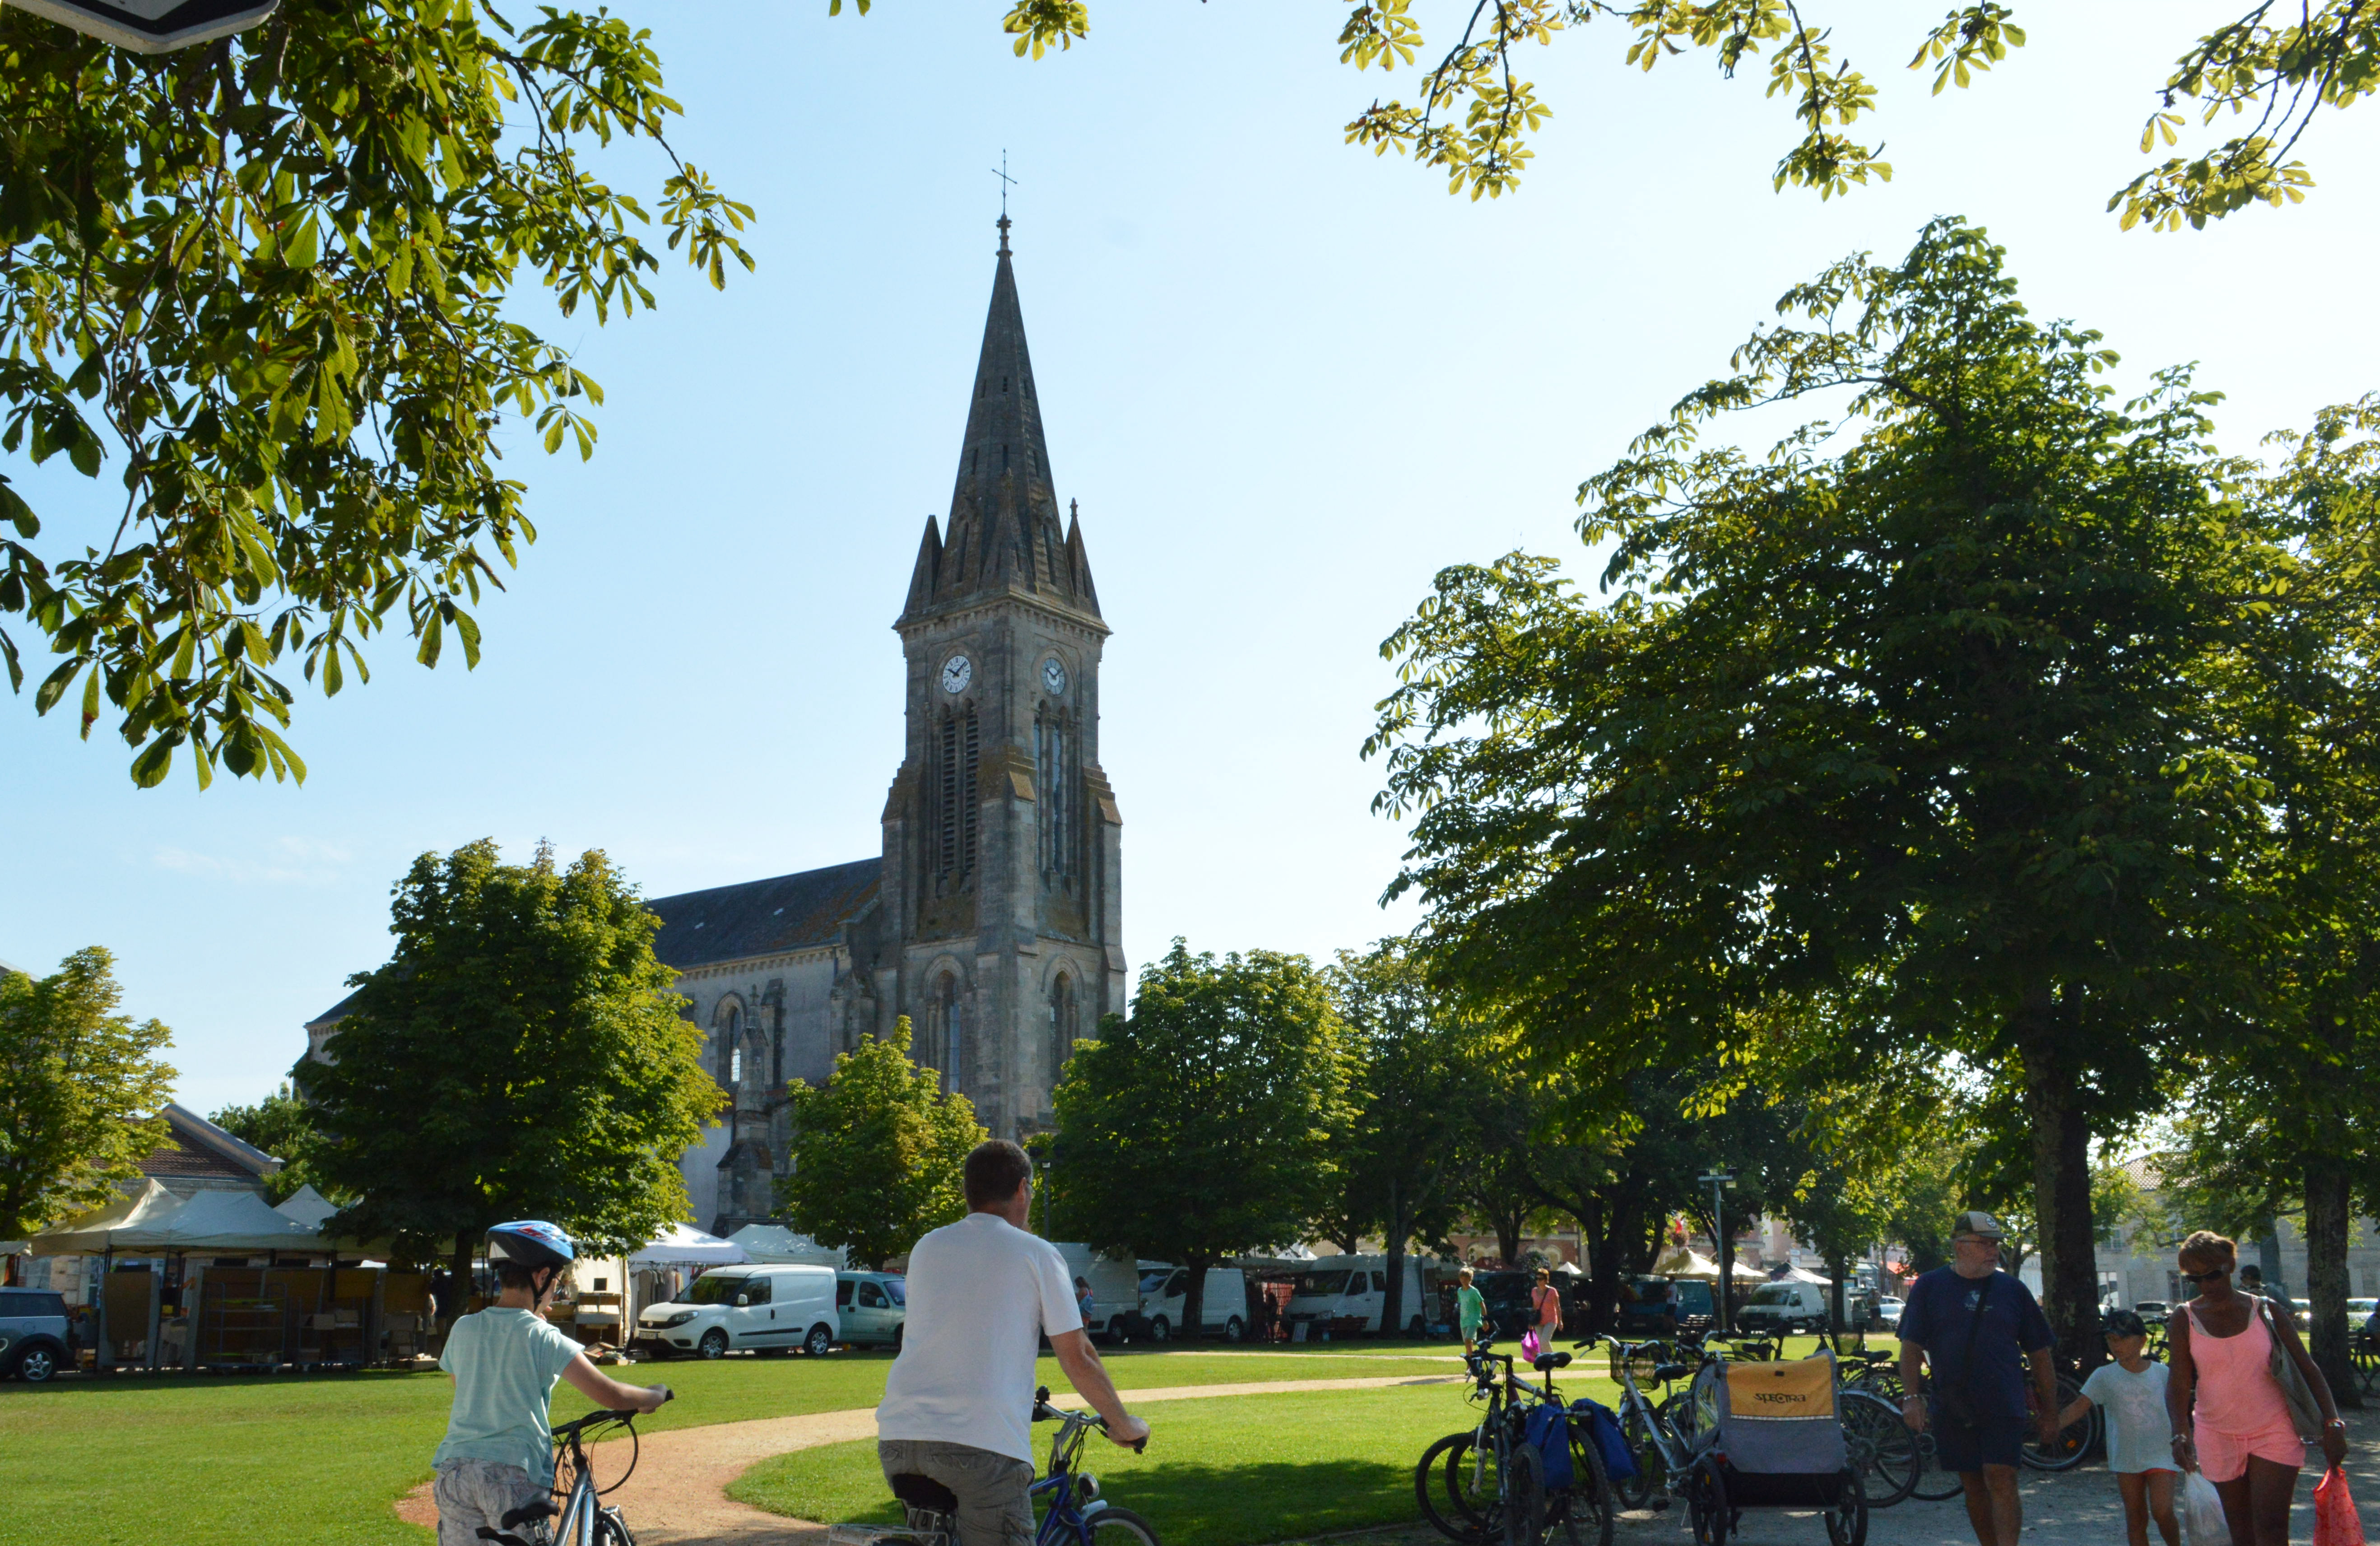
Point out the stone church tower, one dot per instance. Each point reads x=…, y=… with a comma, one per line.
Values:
x=1002, y=868
x=993, y=918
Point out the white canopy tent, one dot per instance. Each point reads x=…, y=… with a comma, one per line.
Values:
x=94, y=1233
x=774, y=1242
x=1685, y=1263
x=222, y=1223
x=308, y=1206
x=682, y=1245
x=1799, y=1275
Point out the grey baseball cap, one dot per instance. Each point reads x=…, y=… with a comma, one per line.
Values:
x=1976, y=1221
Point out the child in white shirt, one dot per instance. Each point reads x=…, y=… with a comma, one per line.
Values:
x=2131, y=1390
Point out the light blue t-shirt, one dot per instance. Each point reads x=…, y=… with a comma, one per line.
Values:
x=505, y=1363
x=2140, y=1431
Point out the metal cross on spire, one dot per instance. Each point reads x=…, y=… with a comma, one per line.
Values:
x=1006, y=182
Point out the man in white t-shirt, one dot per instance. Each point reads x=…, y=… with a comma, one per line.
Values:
x=958, y=1405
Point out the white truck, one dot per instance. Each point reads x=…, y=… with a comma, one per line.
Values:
x=1343, y=1288
x=1165, y=1302
x=1115, y=1290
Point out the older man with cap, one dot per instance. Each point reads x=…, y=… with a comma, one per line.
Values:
x=1976, y=1326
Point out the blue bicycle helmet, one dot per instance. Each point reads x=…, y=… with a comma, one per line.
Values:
x=533, y=1243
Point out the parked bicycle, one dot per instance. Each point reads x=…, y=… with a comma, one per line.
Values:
x=1491, y=1486
x=575, y=1515
x=1072, y=1512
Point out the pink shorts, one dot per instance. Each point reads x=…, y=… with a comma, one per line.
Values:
x=2224, y=1456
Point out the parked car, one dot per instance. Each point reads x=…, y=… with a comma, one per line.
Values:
x=1888, y=1311
x=1357, y=1287
x=2152, y=1310
x=872, y=1306
x=764, y=1309
x=1651, y=1307
x=1505, y=1293
x=1224, y=1307
x=1781, y=1308
x=36, y=1337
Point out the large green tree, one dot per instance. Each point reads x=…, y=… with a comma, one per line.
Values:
x=273, y=278
x=81, y=1086
x=1415, y=1082
x=1471, y=116
x=285, y=1127
x=520, y=1056
x=1202, y=1125
x=877, y=1152
x=1914, y=725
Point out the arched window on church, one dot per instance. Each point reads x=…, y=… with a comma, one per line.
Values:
x=1063, y=1027
x=956, y=755
x=730, y=1039
x=947, y=1043
x=1054, y=781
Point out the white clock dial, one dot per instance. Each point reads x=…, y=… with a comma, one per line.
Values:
x=957, y=672
x=1053, y=675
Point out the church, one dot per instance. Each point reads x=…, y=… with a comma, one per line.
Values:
x=994, y=917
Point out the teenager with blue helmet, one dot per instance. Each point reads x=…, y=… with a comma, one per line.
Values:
x=498, y=1454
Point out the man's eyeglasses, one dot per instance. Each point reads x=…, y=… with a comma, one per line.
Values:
x=2207, y=1277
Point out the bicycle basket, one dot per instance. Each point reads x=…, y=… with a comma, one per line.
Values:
x=1639, y=1368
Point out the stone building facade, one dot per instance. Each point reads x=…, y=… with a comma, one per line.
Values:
x=992, y=918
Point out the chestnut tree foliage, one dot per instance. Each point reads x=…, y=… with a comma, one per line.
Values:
x=271, y=280
x=2270, y=68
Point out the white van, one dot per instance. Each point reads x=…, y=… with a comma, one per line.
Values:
x=1164, y=1297
x=1115, y=1290
x=1784, y=1306
x=765, y=1309
x=1357, y=1287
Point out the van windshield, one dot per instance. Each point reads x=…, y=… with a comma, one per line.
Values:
x=713, y=1288
x=896, y=1290
x=1150, y=1282
x=1320, y=1282
x=1776, y=1293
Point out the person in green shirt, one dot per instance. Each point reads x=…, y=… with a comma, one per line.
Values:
x=1470, y=1310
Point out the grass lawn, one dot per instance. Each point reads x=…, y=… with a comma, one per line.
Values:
x=1229, y=1472
x=263, y=1460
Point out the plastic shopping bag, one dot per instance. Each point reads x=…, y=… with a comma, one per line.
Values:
x=2202, y=1512
x=1529, y=1345
x=2335, y=1520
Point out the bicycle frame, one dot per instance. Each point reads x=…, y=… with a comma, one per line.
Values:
x=1674, y=1458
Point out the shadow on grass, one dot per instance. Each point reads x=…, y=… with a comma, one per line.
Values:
x=1247, y=1504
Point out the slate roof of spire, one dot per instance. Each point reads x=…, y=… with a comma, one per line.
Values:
x=1003, y=532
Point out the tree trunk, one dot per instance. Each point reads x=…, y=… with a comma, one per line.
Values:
x=1834, y=1318
x=1194, y=1299
x=2329, y=1221
x=462, y=1270
x=1392, y=1302
x=2061, y=1180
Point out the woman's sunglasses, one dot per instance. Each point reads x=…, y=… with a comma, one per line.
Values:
x=2207, y=1277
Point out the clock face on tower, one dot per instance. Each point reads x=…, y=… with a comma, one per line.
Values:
x=1053, y=677
x=957, y=672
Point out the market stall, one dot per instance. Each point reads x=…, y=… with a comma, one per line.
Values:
x=660, y=1271
x=774, y=1242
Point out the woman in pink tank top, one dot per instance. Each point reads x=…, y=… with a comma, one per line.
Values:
x=2238, y=1431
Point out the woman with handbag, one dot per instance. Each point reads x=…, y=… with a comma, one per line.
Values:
x=2244, y=1397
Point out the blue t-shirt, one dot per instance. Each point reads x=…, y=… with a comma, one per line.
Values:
x=1941, y=1303
x=505, y=1363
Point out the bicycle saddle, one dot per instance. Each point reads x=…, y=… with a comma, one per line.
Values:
x=1663, y=1373
x=1547, y=1362
x=924, y=1491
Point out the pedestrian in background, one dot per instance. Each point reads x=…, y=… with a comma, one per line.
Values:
x=2232, y=1414
x=1544, y=1309
x=1470, y=1308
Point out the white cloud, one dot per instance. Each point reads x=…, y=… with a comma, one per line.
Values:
x=284, y=861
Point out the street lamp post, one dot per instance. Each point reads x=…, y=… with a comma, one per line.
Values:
x=1721, y=1182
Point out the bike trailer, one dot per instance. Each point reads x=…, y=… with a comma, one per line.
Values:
x=1770, y=1433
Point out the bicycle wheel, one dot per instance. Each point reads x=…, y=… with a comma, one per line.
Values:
x=612, y=1530
x=1706, y=1510
x=1847, y=1521
x=1934, y=1484
x=1448, y=1494
x=1652, y=1476
x=1880, y=1448
x=2074, y=1442
x=1523, y=1508
x=1586, y=1512
x=1120, y=1526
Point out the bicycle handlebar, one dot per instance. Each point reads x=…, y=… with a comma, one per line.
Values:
x=1044, y=1412
x=624, y=1415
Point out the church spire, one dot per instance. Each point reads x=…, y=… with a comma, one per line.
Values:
x=1004, y=531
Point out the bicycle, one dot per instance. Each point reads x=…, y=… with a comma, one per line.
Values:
x=1494, y=1477
x=1072, y=1512
x=1656, y=1444
x=579, y=1517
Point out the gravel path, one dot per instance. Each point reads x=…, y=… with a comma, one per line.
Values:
x=678, y=1494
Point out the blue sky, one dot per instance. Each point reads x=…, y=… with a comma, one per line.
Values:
x=1288, y=382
